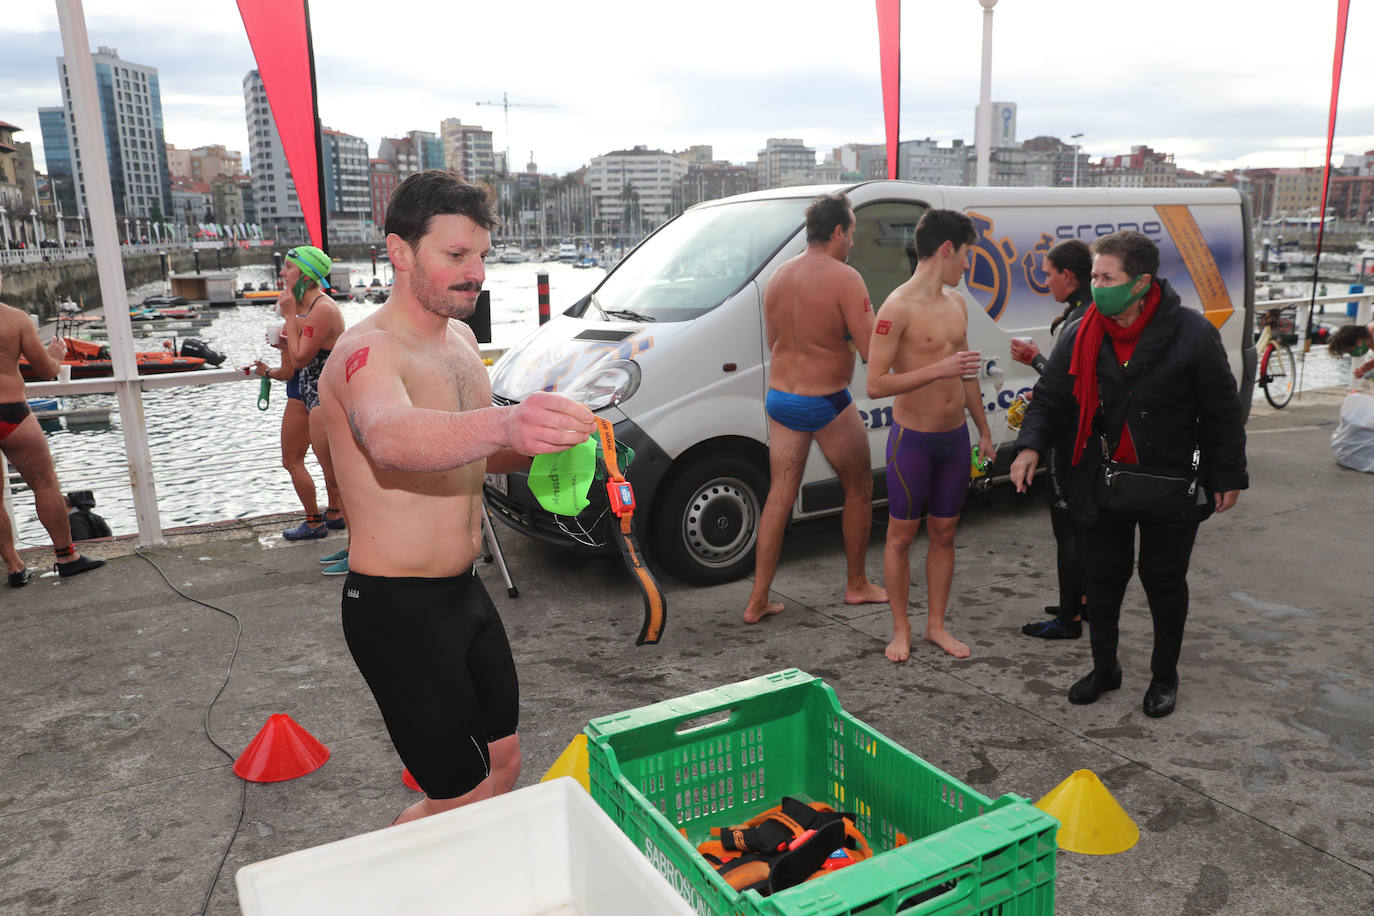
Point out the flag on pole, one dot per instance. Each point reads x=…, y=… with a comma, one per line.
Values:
x=890, y=64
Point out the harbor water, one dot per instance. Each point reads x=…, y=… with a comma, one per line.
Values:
x=216, y=456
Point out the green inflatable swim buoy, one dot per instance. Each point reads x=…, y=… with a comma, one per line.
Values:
x=560, y=480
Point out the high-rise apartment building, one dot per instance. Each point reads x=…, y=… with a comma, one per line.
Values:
x=467, y=149
x=428, y=147
x=131, y=115
x=654, y=178
x=384, y=178
x=786, y=161
x=714, y=180
x=274, y=192
x=347, y=185
x=401, y=153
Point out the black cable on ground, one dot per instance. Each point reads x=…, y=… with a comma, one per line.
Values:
x=243, y=783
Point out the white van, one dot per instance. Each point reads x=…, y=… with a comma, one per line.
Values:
x=670, y=345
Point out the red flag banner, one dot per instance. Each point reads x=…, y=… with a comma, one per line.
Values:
x=890, y=62
x=277, y=30
x=1342, y=14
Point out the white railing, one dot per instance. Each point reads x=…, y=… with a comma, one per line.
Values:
x=37, y=255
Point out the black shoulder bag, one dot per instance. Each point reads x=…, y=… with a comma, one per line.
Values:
x=1144, y=494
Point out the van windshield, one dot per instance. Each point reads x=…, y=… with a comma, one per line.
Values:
x=698, y=260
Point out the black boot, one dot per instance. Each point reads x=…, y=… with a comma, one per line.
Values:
x=1094, y=684
x=1161, y=697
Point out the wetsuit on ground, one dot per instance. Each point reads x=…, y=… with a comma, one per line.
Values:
x=805, y=413
x=925, y=467
x=436, y=657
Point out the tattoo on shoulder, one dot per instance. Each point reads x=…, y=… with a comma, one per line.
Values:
x=355, y=362
x=353, y=425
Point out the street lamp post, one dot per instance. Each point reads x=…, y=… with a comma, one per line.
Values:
x=5, y=222
x=1074, y=138
x=33, y=215
x=984, y=138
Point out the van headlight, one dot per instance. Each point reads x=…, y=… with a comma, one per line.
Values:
x=605, y=384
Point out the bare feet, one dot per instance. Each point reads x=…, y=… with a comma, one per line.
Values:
x=947, y=642
x=899, y=650
x=868, y=594
x=754, y=615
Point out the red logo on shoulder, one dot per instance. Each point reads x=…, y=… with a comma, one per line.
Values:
x=355, y=362
x=309, y=331
x=868, y=305
x=883, y=327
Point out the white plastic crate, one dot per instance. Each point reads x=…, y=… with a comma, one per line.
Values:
x=544, y=849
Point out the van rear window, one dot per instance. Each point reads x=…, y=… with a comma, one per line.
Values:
x=700, y=259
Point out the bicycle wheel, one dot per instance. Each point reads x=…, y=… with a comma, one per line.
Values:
x=1278, y=374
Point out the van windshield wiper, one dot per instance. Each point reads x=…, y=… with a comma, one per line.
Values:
x=627, y=314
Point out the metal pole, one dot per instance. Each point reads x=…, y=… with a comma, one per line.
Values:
x=76, y=46
x=1074, y=138
x=984, y=139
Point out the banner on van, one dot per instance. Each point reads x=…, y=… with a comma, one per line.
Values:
x=1201, y=254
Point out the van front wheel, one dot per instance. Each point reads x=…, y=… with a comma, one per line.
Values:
x=707, y=520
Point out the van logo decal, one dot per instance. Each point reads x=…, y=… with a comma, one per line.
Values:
x=990, y=270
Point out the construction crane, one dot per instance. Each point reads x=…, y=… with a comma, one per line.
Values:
x=506, y=105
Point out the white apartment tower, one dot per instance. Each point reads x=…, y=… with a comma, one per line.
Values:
x=274, y=191
x=653, y=174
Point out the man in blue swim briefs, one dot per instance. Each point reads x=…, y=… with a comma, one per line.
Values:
x=406, y=405
x=812, y=306
x=920, y=354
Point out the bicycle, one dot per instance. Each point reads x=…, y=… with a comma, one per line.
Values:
x=1278, y=370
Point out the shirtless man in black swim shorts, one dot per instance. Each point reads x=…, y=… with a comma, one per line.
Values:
x=407, y=409
x=24, y=446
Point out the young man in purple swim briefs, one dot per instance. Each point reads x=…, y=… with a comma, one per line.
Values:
x=920, y=354
x=812, y=306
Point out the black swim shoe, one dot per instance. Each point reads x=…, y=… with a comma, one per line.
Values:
x=78, y=566
x=21, y=578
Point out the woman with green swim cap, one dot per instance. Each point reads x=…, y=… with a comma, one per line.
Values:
x=313, y=324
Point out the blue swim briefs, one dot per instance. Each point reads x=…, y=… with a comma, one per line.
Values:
x=805, y=413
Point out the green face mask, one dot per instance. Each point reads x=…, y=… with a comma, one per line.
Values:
x=1359, y=351
x=560, y=480
x=1113, y=300
x=299, y=287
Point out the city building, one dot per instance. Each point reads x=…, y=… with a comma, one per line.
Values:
x=347, y=185
x=1352, y=197
x=635, y=190
x=227, y=199
x=400, y=152
x=1297, y=193
x=209, y=163
x=700, y=154
x=245, y=186
x=13, y=194
x=869, y=160
x=383, y=177
x=926, y=161
x=57, y=153
x=428, y=147
x=131, y=114
x=275, y=203
x=467, y=149
x=784, y=162
x=714, y=180
x=178, y=162
x=192, y=204
x=1141, y=168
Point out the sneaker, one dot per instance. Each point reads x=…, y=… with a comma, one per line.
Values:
x=336, y=556
x=306, y=532
x=78, y=566
x=21, y=578
x=337, y=569
x=1054, y=629
x=334, y=524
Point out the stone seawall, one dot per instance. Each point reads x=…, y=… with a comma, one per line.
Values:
x=39, y=287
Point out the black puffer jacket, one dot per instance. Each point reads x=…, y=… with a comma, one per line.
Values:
x=1176, y=394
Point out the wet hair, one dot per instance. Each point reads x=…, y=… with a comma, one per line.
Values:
x=1138, y=255
x=1347, y=338
x=431, y=193
x=936, y=227
x=1074, y=256
x=827, y=213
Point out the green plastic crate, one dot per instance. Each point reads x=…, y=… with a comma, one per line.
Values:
x=719, y=757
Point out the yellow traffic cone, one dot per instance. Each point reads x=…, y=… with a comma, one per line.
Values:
x=1090, y=820
x=572, y=762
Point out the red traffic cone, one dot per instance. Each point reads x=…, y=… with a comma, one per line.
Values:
x=281, y=750
x=409, y=780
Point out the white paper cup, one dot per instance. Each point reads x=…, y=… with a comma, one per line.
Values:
x=64, y=373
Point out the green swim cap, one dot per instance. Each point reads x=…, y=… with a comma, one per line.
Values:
x=560, y=480
x=314, y=264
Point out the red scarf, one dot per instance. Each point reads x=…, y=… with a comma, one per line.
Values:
x=1083, y=364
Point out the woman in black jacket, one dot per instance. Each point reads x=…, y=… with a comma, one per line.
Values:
x=1068, y=270
x=1146, y=380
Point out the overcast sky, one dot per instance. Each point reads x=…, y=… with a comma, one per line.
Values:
x=1218, y=84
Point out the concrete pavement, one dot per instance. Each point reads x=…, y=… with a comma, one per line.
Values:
x=1256, y=796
